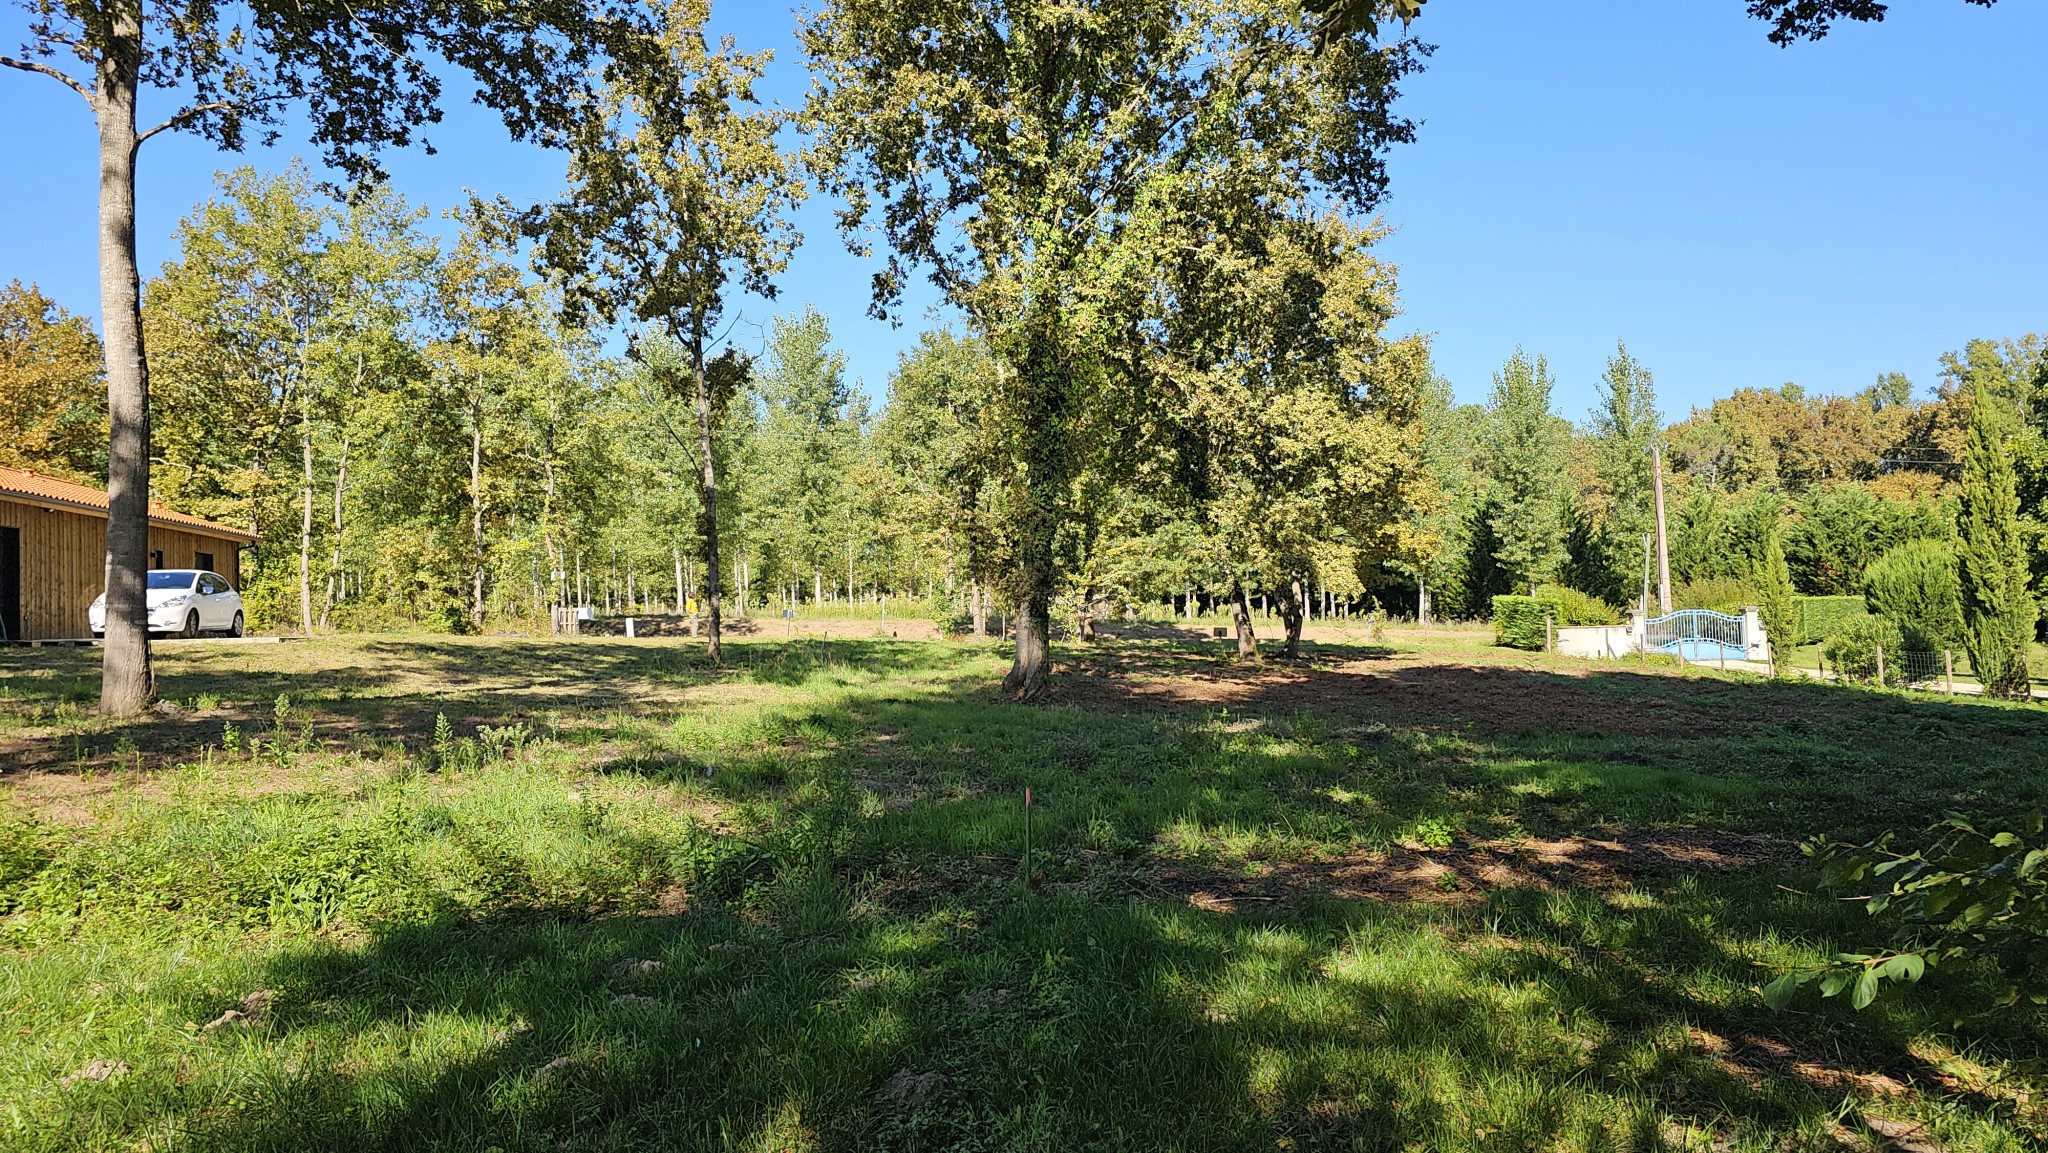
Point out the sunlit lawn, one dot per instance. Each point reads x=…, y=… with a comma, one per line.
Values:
x=1412, y=895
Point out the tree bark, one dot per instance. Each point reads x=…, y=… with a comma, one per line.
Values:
x=707, y=498
x=557, y=571
x=126, y=679
x=476, y=510
x=978, y=606
x=1291, y=615
x=305, y=507
x=1031, y=670
x=1241, y=616
x=337, y=584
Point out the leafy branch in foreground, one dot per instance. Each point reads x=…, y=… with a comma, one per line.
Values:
x=1968, y=895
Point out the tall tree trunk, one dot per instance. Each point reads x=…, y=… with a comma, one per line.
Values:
x=126, y=680
x=978, y=600
x=707, y=498
x=557, y=571
x=1031, y=669
x=1087, y=614
x=1241, y=616
x=1041, y=395
x=337, y=581
x=476, y=511
x=305, y=508
x=1291, y=604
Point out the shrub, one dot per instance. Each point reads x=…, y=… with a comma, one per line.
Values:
x=1823, y=617
x=1572, y=607
x=1852, y=652
x=24, y=851
x=1518, y=622
x=1914, y=586
x=1967, y=895
x=1720, y=594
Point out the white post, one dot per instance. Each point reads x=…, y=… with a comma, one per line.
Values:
x=629, y=628
x=1753, y=638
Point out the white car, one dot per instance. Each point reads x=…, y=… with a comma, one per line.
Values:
x=184, y=601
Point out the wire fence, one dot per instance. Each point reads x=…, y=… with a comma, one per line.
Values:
x=1934, y=670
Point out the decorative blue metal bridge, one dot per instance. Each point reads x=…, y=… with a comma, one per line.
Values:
x=1697, y=635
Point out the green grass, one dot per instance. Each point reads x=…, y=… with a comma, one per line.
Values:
x=438, y=854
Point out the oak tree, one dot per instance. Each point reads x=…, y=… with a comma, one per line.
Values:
x=1003, y=148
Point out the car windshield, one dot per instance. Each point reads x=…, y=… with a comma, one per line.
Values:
x=171, y=580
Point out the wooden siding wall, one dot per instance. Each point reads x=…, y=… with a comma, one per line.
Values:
x=64, y=557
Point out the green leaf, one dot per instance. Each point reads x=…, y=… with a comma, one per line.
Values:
x=1866, y=989
x=1779, y=993
x=2032, y=861
x=1905, y=967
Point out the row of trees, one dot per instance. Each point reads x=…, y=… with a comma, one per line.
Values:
x=1034, y=158
x=1770, y=493
x=418, y=438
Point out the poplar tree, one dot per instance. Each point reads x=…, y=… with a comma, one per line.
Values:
x=678, y=194
x=1991, y=564
x=807, y=441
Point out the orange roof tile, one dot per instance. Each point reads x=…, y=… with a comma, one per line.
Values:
x=23, y=484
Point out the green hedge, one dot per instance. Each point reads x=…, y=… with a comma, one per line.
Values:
x=1718, y=594
x=1576, y=608
x=1518, y=622
x=1823, y=617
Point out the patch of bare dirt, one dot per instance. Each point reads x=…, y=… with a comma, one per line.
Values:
x=1463, y=874
x=1484, y=694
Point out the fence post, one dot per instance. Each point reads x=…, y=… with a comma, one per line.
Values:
x=1948, y=669
x=1724, y=657
x=1880, y=665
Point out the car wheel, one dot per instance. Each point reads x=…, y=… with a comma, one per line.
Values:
x=235, y=630
x=191, y=628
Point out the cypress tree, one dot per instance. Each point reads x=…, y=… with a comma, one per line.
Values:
x=1775, y=603
x=1998, y=608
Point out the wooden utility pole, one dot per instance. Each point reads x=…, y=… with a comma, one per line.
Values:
x=1663, y=545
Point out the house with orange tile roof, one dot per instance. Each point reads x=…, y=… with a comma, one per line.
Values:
x=53, y=552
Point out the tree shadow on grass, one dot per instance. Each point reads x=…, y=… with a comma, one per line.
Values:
x=794, y=988
x=397, y=689
x=836, y=1015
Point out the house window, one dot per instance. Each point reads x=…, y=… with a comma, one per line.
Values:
x=203, y=560
x=156, y=558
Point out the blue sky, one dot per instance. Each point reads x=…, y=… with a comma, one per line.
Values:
x=1742, y=215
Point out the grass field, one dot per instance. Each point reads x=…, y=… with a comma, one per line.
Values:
x=412, y=892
